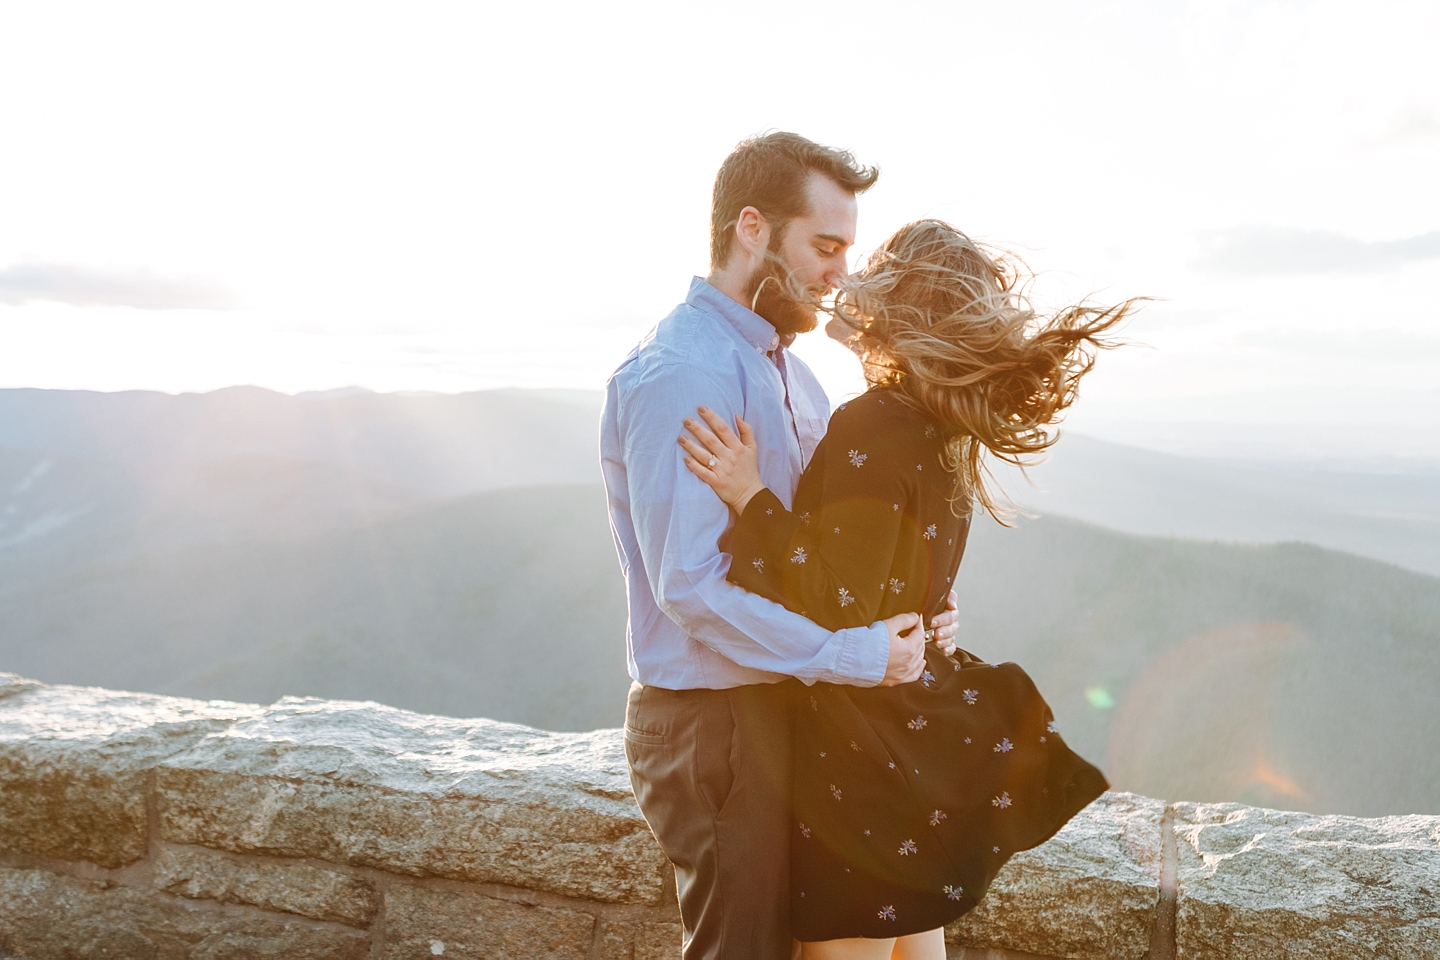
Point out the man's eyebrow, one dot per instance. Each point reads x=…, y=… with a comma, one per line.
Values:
x=833, y=239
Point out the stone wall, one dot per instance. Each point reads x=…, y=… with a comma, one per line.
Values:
x=137, y=826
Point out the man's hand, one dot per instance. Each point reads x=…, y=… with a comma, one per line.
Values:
x=907, y=649
x=946, y=625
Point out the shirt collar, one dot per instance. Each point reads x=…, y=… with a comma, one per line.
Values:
x=752, y=327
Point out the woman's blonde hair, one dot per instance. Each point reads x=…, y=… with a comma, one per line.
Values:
x=947, y=322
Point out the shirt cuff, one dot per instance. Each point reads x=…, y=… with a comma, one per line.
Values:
x=864, y=656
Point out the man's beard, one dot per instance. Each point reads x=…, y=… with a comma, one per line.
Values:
x=771, y=293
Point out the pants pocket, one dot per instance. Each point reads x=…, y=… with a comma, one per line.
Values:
x=643, y=724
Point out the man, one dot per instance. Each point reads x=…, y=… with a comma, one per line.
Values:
x=706, y=727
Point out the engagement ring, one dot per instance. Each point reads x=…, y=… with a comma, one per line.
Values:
x=712, y=463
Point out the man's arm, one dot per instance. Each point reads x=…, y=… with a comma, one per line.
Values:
x=679, y=523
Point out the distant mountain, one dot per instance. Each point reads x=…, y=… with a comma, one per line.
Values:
x=506, y=604
x=1285, y=675
x=90, y=478
x=270, y=460
x=1390, y=512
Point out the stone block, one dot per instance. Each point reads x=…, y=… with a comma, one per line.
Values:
x=625, y=940
x=297, y=888
x=1089, y=892
x=1255, y=884
x=74, y=763
x=423, y=921
x=45, y=916
x=367, y=785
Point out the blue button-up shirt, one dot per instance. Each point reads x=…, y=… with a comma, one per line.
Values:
x=689, y=627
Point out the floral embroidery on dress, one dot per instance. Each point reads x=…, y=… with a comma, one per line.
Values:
x=867, y=833
x=917, y=724
x=936, y=817
x=1004, y=746
x=845, y=598
x=804, y=831
x=805, y=518
x=769, y=511
x=967, y=739
x=822, y=754
x=759, y=564
x=800, y=556
x=930, y=532
x=907, y=848
x=930, y=430
x=854, y=746
x=1042, y=739
x=813, y=704
x=837, y=529
x=971, y=696
x=919, y=466
x=857, y=458
x=952, y=893
x=996, y=849
x=894, y=506
x=835, y=791
x=927, y=678
x=887, y=913
x=1002, y=801
x=896, y=585
x=1052, y=727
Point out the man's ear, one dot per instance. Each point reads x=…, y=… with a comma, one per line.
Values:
x=752, y=231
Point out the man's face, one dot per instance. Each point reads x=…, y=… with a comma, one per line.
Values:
x=812, y=250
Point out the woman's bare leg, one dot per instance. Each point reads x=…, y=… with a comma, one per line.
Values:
x=856, y=948
x=929, y=945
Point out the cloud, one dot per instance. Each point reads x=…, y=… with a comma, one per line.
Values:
x=84, y=286
x=1259, y=251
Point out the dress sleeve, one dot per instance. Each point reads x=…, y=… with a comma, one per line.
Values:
x=833, y=566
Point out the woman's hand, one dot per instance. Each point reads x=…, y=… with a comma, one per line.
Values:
x=944, y=626
x=730, y=464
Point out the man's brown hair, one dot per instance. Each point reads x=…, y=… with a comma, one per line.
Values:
x=769, y=173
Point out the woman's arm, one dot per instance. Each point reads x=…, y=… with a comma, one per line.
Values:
x=834, y=567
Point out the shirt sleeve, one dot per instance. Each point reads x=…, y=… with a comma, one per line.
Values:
x=682, y=529
x=834, y=566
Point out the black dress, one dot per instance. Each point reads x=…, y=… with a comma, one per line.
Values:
x=908, y=799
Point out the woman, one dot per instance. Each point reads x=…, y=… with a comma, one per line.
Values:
x=909, y=799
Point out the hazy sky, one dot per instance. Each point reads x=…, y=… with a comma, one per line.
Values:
x=425, y=196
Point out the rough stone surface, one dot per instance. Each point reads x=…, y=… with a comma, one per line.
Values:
x=74, y=762
x=287, y=887
x=1256, y=883
x=45, y=916
x=428, y=922
x=620, y=940
x=1089, y=892
x=11, y=684
x=368, y=785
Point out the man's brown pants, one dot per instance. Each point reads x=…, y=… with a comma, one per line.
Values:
x=711, y=770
